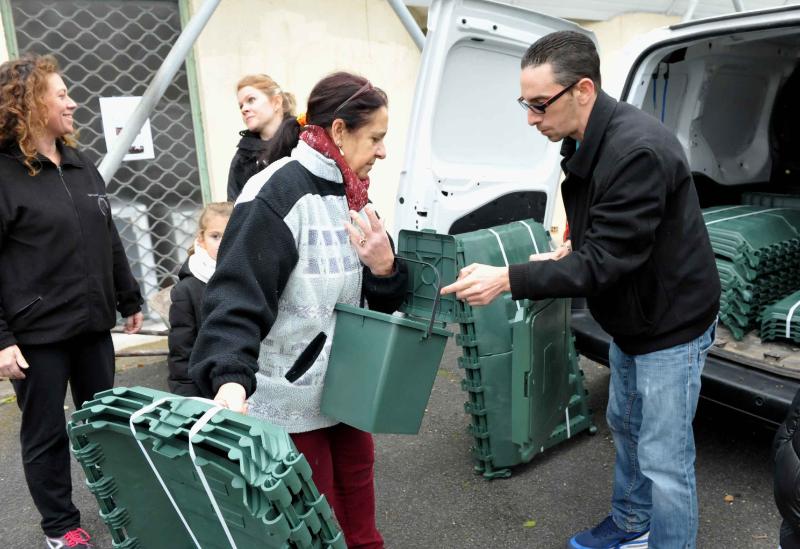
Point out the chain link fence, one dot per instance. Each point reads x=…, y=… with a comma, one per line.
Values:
x=109, y=49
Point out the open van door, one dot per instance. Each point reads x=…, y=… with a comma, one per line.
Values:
x=472, y=161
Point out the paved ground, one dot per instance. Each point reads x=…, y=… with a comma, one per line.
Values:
x=428, y=496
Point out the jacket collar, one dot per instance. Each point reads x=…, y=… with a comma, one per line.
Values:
x=316, y=162
x=69, y=156
x=251, y=141
x=580, y=160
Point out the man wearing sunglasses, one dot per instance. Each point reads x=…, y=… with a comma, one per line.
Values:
x=642, y=257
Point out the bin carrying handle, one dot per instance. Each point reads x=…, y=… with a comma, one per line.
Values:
x=436, y=299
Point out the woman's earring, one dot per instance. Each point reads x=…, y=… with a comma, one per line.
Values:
x=340, y=149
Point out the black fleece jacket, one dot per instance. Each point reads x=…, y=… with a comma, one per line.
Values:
x=245, y=163
x=184, y=321
x=642, y=255
x=63, y=268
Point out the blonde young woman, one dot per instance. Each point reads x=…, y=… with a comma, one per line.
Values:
x=63, y=272
x=263, y=105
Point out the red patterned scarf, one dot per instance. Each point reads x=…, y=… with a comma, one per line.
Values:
x=354, y=188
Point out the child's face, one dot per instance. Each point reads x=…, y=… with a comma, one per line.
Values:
x=210, y=238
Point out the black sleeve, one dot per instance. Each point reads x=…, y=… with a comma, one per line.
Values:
x=183, y=323
x=241, y=300
x=386, y=293
x=6, y=337
x=622, y=225
x=235, y=182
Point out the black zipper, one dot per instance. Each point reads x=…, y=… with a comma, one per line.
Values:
x=77, y=219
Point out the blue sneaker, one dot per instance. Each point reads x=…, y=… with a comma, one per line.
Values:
x=607, y=535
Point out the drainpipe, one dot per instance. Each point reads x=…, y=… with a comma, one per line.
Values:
x=408, y=22
x=155, y=91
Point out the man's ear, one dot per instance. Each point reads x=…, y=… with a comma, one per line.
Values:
x=586, y=90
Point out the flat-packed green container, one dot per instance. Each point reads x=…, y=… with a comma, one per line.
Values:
x=382, y=367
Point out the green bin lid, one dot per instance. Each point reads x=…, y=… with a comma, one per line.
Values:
x=424, y=252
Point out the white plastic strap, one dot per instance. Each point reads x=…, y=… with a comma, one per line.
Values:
x=198, y=425
x=133, y=418
x=789, y=319
x=533, y=239
x=722, y=210
x=569, y=431
x=743, y=215
x=505, y=257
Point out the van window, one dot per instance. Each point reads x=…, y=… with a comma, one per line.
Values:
x=477, y=119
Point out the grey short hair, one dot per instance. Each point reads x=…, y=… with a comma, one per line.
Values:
x=572, y=55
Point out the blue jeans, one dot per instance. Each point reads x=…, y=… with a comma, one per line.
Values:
x=652, y=401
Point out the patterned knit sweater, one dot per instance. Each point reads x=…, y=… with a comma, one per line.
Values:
x=284, y=262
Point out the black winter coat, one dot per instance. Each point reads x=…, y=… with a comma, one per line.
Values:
x=245, y=163
x=63, y=268
x=642, y=256
x=787, y=467
x=184, y=322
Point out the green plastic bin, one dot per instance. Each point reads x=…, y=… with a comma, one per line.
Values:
x=382, y=367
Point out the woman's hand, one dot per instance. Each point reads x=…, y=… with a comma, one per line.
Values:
x=233, y=397
x=371, y=242
x=134, y=323
x=562, y=251
x=12, y=363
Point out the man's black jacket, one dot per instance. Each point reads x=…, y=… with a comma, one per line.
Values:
x=63, y=269
x=642, y=255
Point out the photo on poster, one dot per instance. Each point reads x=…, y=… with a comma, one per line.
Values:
x=115, y=112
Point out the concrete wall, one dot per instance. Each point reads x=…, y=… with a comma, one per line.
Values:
x=297, y=43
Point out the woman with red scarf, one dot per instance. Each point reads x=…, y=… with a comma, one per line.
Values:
x=302, y=238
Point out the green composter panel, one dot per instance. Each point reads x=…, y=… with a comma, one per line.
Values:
x=488, y=328
x=540, y=374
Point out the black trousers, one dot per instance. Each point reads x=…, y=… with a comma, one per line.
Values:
x=87, y=363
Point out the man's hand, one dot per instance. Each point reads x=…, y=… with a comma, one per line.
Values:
x=133, y=323
x=479, y=284
x=12, y=363
x=232, y=396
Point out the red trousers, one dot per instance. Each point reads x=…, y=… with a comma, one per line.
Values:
x=342, y=461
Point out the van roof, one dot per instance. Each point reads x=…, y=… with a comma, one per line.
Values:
x=734, y=16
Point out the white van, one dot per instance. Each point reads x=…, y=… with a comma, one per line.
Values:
x=729, y=87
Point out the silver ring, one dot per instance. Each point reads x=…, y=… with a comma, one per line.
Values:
x=362, y=242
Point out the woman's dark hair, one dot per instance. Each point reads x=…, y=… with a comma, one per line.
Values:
x=339, y=95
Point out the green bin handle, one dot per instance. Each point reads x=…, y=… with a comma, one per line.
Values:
x=436, y=299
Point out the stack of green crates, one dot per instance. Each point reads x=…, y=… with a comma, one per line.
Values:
x=781, y=320
x=757, y=250
x=509, y=422
x=772, y=200
x=259, y=481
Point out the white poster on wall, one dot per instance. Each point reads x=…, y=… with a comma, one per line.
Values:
x=115, y=111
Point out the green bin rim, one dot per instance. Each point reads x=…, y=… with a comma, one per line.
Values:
x=420, y=324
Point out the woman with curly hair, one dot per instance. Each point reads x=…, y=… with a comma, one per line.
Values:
x=63, y=271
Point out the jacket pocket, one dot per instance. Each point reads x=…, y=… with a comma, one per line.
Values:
x=306, y=358
x=23, y=314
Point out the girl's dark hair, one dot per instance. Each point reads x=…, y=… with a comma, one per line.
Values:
x=339, y=95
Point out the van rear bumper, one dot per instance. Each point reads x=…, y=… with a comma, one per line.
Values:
x=763, y=395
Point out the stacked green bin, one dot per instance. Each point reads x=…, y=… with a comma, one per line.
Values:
x=757, y=250
x=260, y=483
x=771, y=200
x=781, y=320
x=507, y=347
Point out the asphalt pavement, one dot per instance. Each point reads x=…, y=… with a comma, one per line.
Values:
x=429, y=497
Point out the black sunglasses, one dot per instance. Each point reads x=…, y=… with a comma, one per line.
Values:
x=540, y=108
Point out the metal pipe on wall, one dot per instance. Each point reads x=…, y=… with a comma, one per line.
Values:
x=408, y=22
x=172, y=63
